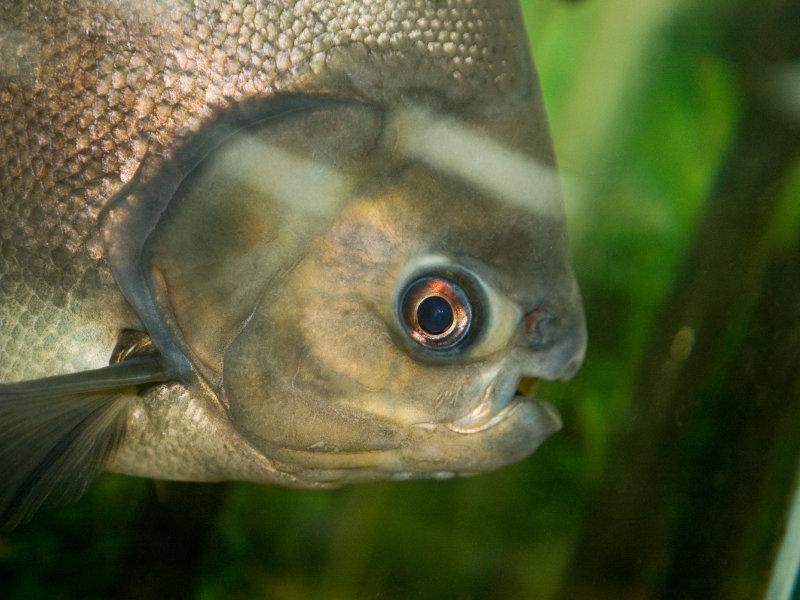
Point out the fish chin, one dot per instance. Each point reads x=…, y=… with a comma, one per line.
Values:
x=505, y=426
x=501, y=430
x=511, y=434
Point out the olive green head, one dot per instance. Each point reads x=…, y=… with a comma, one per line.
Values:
x=368, y=294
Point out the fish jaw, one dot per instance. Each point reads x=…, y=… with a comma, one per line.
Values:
x=507, y=425
x=487, y=439
x=512, y=434
x=185, y=435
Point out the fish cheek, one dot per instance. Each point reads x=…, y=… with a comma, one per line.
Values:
x=350, y=323
x=350, y=340
x=317, y=366
x=282, y=395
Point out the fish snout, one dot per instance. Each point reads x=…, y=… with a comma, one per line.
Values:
x=555, y=341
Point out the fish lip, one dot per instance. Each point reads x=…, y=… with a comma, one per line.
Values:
x=495, y=407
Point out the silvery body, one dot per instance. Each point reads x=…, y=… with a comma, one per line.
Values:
x=245, y=206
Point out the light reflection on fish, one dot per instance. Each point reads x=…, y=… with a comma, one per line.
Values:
x=295, y=243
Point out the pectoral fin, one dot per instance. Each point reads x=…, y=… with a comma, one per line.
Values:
x=56, y=433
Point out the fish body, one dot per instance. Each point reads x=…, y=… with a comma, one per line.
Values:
x=296, y=243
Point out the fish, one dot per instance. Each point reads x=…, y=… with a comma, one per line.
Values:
x=297, y=243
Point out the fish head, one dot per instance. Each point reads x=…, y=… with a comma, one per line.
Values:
x=345, y=371
x=364, y=290
x=360, y=264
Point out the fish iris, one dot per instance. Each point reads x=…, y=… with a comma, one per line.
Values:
x=436, y=312
x=435, y=315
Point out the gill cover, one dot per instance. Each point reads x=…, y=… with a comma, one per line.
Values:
x=189, y=252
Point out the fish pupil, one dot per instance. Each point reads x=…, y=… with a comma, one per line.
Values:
x=435, y=315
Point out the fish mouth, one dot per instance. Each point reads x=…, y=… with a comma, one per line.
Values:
x=506, y=425
x=499, y=403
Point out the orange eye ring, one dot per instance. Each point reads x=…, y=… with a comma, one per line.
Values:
x=436, y=312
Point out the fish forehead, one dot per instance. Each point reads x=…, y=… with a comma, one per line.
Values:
x=426, y=211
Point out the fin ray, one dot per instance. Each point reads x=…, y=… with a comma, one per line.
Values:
x=57, y=433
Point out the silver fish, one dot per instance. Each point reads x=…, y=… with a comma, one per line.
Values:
x=290, y=242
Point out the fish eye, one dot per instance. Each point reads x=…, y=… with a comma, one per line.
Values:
x=436, y=312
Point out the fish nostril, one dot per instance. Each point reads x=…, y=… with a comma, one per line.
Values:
x=535, y=326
